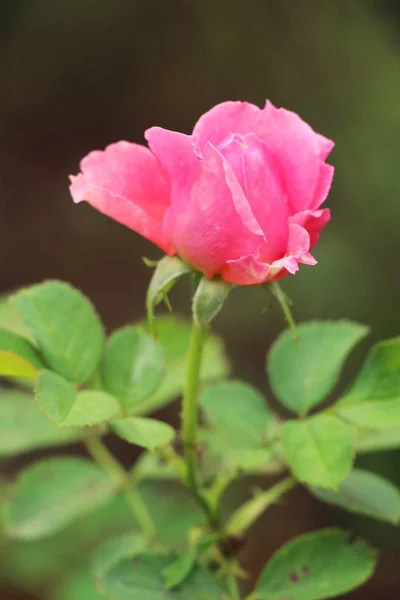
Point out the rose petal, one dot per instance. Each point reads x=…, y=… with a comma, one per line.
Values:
x=208, y=221
x=175, y=153
x=125, y=182
x=313, y=222
x=298, y=149
x=259, y=174
x=325, y=146
x=297, y=251
x=216, y=125
x=246, y=270
x=240, y=200
x=323, y=184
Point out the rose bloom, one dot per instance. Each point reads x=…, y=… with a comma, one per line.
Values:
x=239, y=198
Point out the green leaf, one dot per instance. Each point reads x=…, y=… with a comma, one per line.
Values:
x=12, y=365
x=52, y=493
x=78, y=586
x=173, y=510
x=365, y=493
x=18, y=357
x=303, y=371
x=68, y=408
x=166, y=274
x=114, y=550
x=374, y=399
x=239, y=409
x=10, y=319
x=133, y=366
x=380, y=414
x=209, y=299
x=65, y=327
x=319, y=450
x=55, y=396
x=38, y=564
x=174, y=335
x=315, y=566
x=90, y=408
x=177, y=571
x=23, y=427
x=142, y=578
x=150, y=466
x=370, y=440
x=238, y=420
x=11, y=342
x=144, y=432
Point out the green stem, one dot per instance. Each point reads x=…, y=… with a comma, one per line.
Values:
x=190, y=418
x=189, y=410
x=117, y=473
x=249, y=512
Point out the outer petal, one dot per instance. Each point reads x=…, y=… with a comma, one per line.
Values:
x=175, y=153
x=313, y=222
x=216, y=125
x=125, y=182
x=299, y=150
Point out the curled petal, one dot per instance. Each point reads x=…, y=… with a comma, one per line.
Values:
x=252, y=270
x=125, y=182
x=313, y=222
x=297, y=251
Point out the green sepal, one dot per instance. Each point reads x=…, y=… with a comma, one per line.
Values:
x=166, y=274
x=209, y=299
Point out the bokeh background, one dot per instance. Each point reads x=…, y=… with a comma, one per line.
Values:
x=79, y=74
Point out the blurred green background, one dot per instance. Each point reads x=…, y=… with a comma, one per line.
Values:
x=79, y=74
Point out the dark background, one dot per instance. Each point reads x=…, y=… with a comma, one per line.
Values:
x=78, y=74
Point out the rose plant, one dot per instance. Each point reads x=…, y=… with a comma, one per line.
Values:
x=238, y=202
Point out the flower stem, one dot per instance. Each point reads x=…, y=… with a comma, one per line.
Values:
x=190, y=418
x=117, y=473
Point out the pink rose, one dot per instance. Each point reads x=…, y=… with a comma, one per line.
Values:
x=239, y=198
